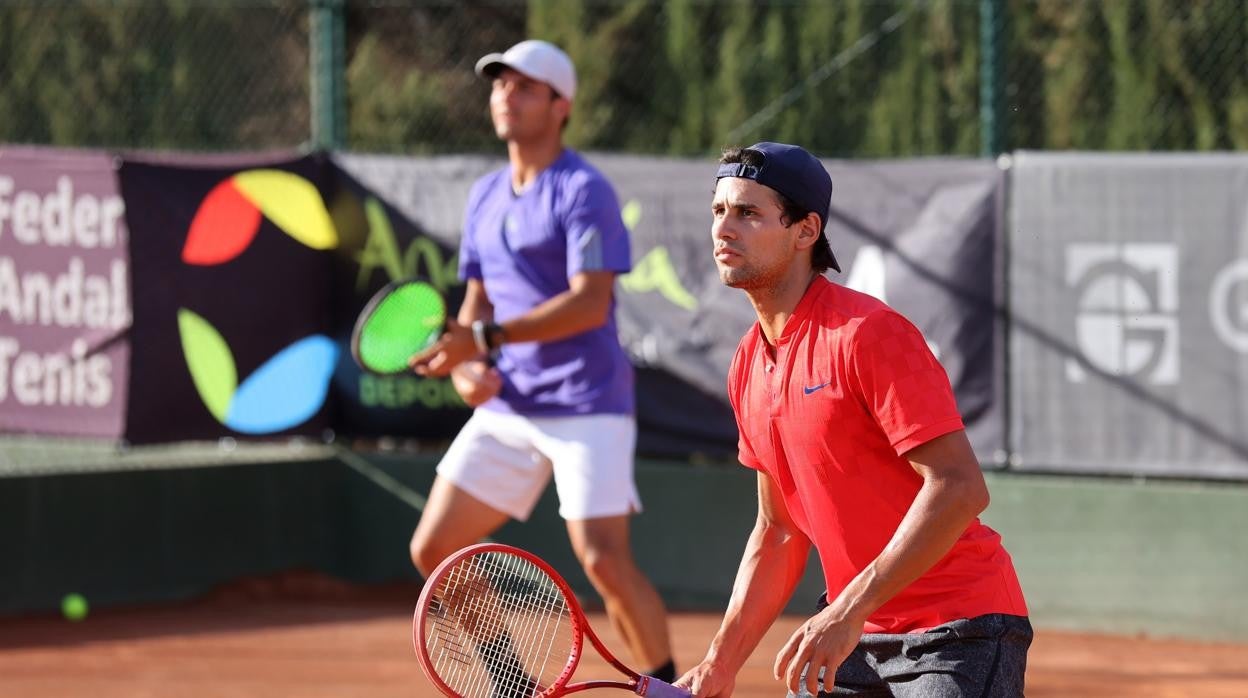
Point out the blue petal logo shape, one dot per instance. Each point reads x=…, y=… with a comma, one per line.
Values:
x=287, y=390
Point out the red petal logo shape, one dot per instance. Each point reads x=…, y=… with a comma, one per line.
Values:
x=223, y=227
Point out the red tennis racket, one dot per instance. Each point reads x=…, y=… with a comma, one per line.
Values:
x=495, y=621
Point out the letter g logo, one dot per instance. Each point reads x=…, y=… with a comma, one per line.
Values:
x=1126, y=322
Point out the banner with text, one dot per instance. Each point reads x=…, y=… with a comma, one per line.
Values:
x=249, y=273
x=64, y=294
x=922, y=235
x=1129, y=299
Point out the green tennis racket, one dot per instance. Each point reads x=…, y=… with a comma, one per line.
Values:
x=400, y=320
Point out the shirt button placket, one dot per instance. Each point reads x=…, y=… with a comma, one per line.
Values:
x=773, y=385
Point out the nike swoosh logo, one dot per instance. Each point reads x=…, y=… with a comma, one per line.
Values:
x=822, y=385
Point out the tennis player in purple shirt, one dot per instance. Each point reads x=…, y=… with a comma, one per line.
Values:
x=543, y=242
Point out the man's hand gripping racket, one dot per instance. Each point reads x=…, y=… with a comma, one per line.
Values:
x=495, y=621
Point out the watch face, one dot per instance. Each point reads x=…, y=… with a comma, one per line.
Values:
x=480, y=336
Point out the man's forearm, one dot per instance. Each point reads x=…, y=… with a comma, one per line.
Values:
x=936, y=519
x=562, y=316
x=770, y=570
x=476, y=305
x=584, y=306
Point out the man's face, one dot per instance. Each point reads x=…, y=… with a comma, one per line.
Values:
x=753, y=247
x=524, y=109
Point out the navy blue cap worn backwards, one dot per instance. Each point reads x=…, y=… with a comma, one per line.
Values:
x=792, y=171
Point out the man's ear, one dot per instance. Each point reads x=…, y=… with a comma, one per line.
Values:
x=808, y=231
x=562, y=108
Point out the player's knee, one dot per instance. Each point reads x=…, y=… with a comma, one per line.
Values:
x=425, y=555
x=608, y=570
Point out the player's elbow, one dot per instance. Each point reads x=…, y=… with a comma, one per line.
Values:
x=974, y=494
x=598, y=314
x=981, y=501
x=779, y=536
x=963, y=491
x=592, y=294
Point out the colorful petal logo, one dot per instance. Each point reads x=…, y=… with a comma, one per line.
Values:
x=290, y=387
x=229, y=217
x=285, y=391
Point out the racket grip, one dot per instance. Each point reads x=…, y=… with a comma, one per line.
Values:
x=654, y=688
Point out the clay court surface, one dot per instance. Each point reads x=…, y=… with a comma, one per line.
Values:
x=269, y=642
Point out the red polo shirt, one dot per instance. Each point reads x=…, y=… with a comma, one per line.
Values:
x=852, y=388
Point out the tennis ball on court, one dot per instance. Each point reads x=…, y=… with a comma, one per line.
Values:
x=74, y=607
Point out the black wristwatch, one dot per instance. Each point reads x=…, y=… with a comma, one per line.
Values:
x=488, y=336
x=494, y=336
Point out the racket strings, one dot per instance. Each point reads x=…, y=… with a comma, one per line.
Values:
x=524, y=597
x=506, y=673
x=402, y=323
x=501, y=628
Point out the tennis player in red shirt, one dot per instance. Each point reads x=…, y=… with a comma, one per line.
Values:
x=860, y=451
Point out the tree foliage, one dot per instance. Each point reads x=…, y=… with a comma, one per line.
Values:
x=173, y=74
x=870, y=78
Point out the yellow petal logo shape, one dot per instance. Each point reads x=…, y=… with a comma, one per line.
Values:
x=292, y=203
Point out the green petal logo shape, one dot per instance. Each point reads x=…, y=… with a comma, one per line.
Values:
x=210, y=361
x=654, y=271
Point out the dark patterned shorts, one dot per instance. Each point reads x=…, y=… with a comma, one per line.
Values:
x=981, y=656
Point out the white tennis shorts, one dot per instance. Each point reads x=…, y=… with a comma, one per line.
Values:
x=505, y=460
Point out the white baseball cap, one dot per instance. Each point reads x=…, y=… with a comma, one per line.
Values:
x=539, y=60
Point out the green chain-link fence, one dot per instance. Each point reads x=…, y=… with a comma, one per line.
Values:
x=1127, y=74
x=877, y=78
x=147, y=74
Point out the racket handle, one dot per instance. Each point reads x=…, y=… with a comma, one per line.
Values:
x=654, y=688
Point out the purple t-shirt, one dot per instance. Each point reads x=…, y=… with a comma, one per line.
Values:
x=524, y=248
